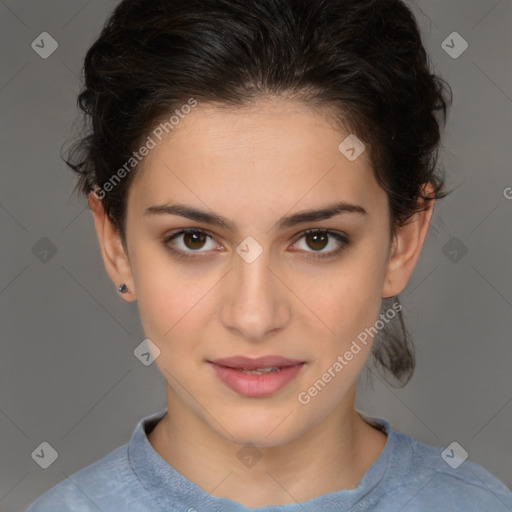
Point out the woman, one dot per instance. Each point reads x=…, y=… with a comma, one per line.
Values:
x=262, y=174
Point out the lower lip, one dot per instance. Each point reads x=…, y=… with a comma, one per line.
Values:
x=255, y=385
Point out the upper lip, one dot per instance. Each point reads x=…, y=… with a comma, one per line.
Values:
x=245, y=363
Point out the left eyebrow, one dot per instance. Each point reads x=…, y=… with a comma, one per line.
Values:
x=213, y=219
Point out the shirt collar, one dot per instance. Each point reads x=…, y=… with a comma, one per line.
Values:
x=172, y=490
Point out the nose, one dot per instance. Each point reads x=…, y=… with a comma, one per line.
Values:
x=255, y=304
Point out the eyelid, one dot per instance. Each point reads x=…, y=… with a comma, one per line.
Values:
x=340, y=237
x=183, y=231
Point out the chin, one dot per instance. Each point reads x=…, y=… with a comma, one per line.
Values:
x=266, y=430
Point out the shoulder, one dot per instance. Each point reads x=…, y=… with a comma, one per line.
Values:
x=98, y=486
x=432, y=478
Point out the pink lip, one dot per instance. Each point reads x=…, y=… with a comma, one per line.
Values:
x=253, y=385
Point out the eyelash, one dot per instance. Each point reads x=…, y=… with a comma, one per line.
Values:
x=344, y=241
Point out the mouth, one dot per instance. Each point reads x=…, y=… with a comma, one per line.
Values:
x=259, y=371
x=264, y=363
x=256, y=377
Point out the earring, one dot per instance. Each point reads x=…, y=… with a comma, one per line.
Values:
x=122, y=288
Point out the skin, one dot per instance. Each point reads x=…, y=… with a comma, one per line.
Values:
x=254, y=165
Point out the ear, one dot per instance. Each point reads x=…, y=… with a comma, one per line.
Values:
x=114, y=255
x=406, y=247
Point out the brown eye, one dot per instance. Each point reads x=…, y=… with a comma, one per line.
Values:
x=317, y=241
x=186, y=242
x=194, y=239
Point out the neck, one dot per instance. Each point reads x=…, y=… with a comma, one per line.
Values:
x=331, y=456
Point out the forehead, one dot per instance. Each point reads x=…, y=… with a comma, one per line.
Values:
x=271, y=152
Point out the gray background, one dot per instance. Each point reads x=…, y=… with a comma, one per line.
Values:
x=68, y=375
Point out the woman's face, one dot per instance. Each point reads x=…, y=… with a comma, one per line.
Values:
x=257, y=286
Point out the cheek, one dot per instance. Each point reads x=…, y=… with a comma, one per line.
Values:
x=351, y=299
x=164, y=295
x=175, y=303
x=350, y=306
x=168, y=304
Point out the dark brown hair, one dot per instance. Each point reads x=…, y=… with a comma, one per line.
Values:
x=364, y=59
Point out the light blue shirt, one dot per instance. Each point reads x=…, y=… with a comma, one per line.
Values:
x=408, y=476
